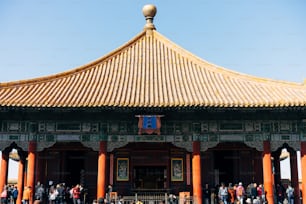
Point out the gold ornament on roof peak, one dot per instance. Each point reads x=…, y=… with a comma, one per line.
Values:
x=149, y=12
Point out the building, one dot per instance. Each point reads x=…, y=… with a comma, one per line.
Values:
x=151, y=116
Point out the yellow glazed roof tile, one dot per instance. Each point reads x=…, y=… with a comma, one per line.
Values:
x=151, y=71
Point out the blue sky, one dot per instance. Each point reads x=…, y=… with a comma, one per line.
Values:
x=265, y=38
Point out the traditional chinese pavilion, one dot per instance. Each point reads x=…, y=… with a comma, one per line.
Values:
x=151, y=116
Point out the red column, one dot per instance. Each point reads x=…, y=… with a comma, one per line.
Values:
x=196, y=172
x=101, y=170
x=20, y=180
x=4, y=169
x=267, y=172
x=31, y=165
x=303, y=167
x=294, y=176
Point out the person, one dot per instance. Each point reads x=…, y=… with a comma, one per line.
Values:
x=27, y=195
x=10, y=199
x=206, y=194
x=240, y=192
x=223, y=193
x=231, y=193
x=253, y=191
x=109, y=190
x=290, y=194
x=15, y=194
x=76, y=194
x=172, y=199
x=139, y=202
x=52, y=195
x=260, y=193
x=100, y=200
x=39, y=192
x=61, y=193
x=4, y=195
x=280, y=193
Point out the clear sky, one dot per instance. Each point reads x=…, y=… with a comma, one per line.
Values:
x=265, y=38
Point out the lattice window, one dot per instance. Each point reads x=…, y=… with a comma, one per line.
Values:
x=13, y=126
x=231, y=126
x=266, y=127
x=32, y=127
x=285, y=137
x=95, y=127
x=196, y=127
x=86, y=127
x=50, y=127
x=186, y=127
x=303, y=126
x=41, y=127
x=275, y=127
x=204, y=127
x=114, y=127
x=248, y=127
x=123, y=127
x=104, y=127
x=178, y=128
x=294, y=127
x=285, y=126
x=68, y=127
x=132, y=128
x=169, y=128
x=213, y=127
x=257, y=127
x=4, y=126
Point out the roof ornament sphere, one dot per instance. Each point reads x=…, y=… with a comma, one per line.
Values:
x=149, y=12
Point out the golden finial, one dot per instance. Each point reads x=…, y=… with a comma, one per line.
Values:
x=149, y=12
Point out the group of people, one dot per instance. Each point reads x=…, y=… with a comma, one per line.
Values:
x=252, y=194
x=54, y=194
x=230, y=194
x=9, y=194
x=59, y=194
x=283, y=193
x=222, y=194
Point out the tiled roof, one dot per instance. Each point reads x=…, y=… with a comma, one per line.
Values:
x=151, y=71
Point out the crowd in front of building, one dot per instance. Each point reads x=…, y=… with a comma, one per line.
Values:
x=53, y=194
x=59, y=194
x=251, y=194
x=220, y=194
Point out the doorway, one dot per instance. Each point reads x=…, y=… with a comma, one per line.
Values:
x=74, y=168
x=150, y=177
x=224, y=165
